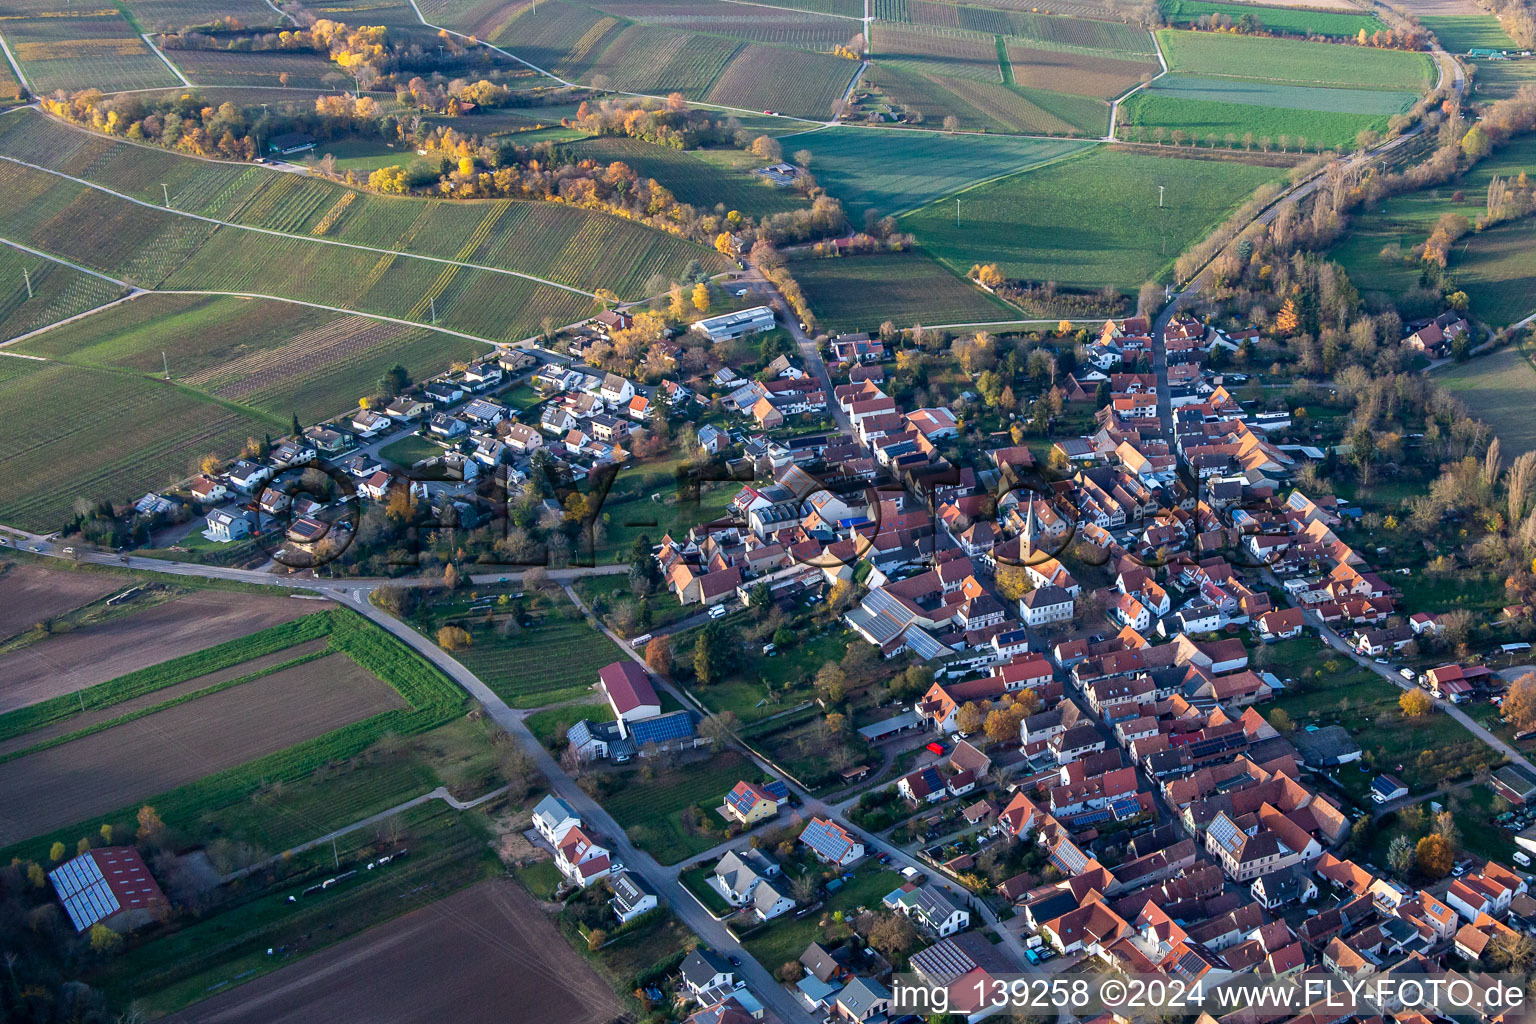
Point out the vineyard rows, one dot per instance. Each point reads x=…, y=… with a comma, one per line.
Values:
x=158, y=15
x=51, y=453
x=787, y=82
x=931, y=51
x=58, y=292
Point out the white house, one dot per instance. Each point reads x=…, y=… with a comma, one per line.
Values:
x=631, y=896
x=580, y=858
x=246, y=476
x=768, y=902
x=1045, y=605
x=369, y=422
x=738, y=875
x=704, y=969
x=616, y=391
x=553, y=817
x=926, y=907
x=226, y=525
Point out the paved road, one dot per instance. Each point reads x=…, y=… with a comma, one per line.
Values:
x=1386, y=672
x=355, y=594
x=810, y=348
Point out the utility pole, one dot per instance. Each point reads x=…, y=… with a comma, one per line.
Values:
x=334, y=855
x=165, y=363
x=1160, y=197
x=957, y=212
x=27, y=277
x=432, y=302
x=165, y=190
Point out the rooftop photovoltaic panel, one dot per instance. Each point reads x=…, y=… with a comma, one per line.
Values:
x=86, y=896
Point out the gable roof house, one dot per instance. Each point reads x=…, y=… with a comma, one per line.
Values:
x=832, y=843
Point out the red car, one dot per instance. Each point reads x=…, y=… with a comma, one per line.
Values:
x=936, y=747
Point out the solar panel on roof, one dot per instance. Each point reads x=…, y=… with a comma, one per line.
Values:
x=924, y=645
x=663, y=729
x=881, y=603
x=83, y=890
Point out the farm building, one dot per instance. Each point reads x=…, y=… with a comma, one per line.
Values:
x=291, y=142
x=629, y=692
x=110, y=886
x=734, y=325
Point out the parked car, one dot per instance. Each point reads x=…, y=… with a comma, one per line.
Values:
x=716, y=611
x=935, y=748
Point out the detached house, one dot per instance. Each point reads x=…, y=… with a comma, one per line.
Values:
x=580, y=859
x=831, y=842
x=928, y=909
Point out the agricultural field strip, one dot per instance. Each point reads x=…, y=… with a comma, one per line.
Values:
x=575, y=85
x=153, y=708
x=67, y=320
x=796, y=10
x=1284, y=95
x=297, y=238
x=136, y=291
x=15, y=64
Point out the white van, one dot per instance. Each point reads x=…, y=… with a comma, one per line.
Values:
x=640, y=641
x=716, y=611
x=1522, y=859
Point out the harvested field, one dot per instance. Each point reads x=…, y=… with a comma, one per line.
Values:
x=1321, y=5
x=791, y=82
x=61, y=46
x=1294, y=97
x=1081, y=75
x=225, y=68
x=50, y=455
x=857, y=293
x=107, y=770
x=1443, y=8
x=804, y=29
x=1462, y=33
x=1295, y=61
x=1501, y=79
x=1210, y=123
x=91, y=719
x=1501, y=386
x=466, y=958
x=978, y=105
x=891, y=171
x=30, y=594
x=698, y=177
x=157, y=15
x=84, y=657
x=1087, y=221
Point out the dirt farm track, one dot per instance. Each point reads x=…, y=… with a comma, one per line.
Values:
x=72, y=661
x=485, y=955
